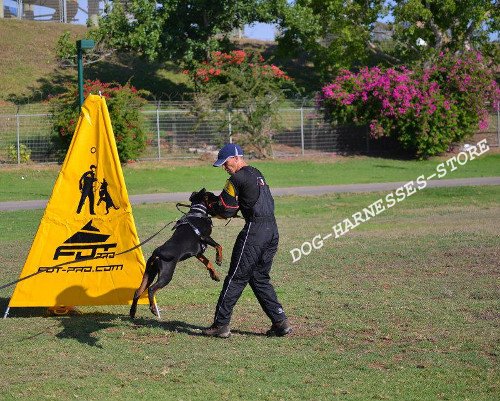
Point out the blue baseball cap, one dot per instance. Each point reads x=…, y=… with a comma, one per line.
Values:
x=229, y=150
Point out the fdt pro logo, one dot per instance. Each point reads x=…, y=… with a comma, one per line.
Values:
x=86, y=243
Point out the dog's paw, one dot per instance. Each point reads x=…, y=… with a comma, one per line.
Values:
x=214, y=275
x=153, y=311
x=133, y=308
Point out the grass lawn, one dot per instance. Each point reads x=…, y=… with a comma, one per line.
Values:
x=36, y=182
x=404, y=307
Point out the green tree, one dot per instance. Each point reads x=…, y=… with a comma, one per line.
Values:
x=334, y=34
x=424, y=28
x=247, y=90
x=175, y=29
x=339, y=34
x=66, y=51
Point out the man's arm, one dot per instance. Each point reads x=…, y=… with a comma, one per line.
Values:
x=226, y=204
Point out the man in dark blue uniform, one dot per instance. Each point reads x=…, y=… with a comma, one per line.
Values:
x=246, y=190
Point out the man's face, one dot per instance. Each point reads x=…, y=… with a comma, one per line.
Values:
x=231, y=165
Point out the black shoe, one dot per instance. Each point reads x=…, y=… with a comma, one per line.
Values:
x=279, y=329
x=217, y=331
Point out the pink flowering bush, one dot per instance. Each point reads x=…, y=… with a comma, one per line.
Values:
x=248, y=89
x=426, y=109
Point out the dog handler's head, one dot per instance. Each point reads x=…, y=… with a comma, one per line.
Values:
x=231, y=158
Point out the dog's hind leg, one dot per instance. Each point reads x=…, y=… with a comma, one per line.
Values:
x=218, y=249
x=148, y=277
x=213, y=273
x=166, y=271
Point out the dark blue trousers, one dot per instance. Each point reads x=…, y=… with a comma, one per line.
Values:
x=251, y=262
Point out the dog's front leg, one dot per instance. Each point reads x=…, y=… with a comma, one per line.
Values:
x=213, y=273
x=218, y=254
x=218, y=249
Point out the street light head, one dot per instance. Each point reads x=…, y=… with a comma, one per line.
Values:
x=85, y=44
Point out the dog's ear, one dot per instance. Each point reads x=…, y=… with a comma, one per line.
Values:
x=197, y=196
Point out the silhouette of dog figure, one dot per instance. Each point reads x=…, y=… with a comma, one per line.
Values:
x=191, y=237
x=105, y=196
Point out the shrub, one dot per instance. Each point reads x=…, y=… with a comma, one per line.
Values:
x=24, y=153
x=124, y=103
x=242, y=82
x=426, y=110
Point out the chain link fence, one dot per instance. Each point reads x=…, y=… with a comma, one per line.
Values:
x=173, y=132
x=66, y=11
x=25, y=134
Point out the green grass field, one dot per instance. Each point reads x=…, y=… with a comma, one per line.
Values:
x=404, y=307
x=35, y=182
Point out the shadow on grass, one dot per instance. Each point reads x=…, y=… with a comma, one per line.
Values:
x=20, y=312
x=176, y=326
x=85, y=328
x=390, y=167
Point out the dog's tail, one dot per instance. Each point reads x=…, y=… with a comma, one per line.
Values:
x=152, y=268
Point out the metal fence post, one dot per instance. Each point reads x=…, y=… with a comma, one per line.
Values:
x=19, y=9
x=158, y=128
x=65, y=11
x=18, y=129
x=230, y=127
x=302, y=129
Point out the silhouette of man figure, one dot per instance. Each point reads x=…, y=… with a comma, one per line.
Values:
x=86, y=186
x=105, y=196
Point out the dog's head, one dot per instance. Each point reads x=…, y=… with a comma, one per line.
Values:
x=203, y=196
x=198, y=197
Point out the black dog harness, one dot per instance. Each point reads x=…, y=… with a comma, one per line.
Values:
x=196, y=211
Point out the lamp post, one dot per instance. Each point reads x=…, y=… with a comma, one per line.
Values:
x=80, y=46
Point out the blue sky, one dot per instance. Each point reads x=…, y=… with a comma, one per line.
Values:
x=267, y=31
x=260, y=31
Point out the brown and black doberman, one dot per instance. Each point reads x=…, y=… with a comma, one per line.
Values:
x=190, y=238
